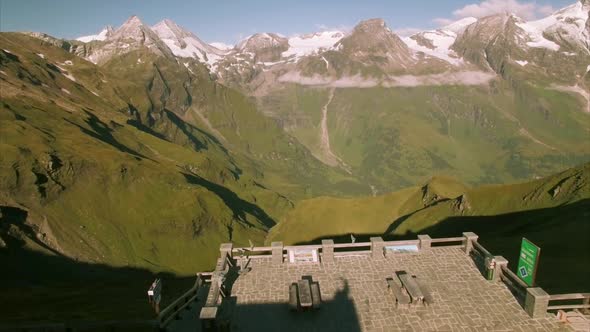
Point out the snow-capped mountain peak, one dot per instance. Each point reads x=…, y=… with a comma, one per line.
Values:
x=566, y=27
x=309, y=44
x=102, y=35
x=460, y=25
x=185, y=44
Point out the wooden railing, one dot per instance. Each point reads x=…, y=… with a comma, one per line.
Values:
x=341, y=249
x=173, y=311
x=513, y=281
x=584, y=297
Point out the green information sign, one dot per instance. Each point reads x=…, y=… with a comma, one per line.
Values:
x=528, y=261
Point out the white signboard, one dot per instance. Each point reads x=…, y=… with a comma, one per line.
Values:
x=303, y=256
x=402, y=248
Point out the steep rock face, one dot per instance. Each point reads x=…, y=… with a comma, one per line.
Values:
x=265, y=47
x=490, y=41
x=568, y=28
x=372, y=41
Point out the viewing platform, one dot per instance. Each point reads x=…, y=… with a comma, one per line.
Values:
x=455, y=289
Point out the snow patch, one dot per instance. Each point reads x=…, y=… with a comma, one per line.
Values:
x=521, y=62
x=66, y=74
x=442, y=40
x=460, y=25
x=3, y=73
x=187, y=67
x=304, y=45
x=535, y=34
x=41, y=55
x=139, y=60
x=100, y=36
x=326, y=61
x=222, y=46
x=7, y=51
x=94, y=93
x=68, y=62
x=66, y=91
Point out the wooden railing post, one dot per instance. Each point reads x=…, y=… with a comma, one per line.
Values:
x=425, y=241
x=226, y=250
x=469, y=238
x=277, y=253
x=536, y=302
x=377, y=246
x=328, y=251
x=500, y=262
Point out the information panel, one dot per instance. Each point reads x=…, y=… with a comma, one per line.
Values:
x=528, y=261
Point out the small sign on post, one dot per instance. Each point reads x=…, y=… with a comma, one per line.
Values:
x=155, y=294
x=303, y=256
x=528, y=262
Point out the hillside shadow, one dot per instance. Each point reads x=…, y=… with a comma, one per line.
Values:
x=337, y=314
x=239, y=207
x=187, y=129
x=103, y=133
x=562, y=233
x=50, y=287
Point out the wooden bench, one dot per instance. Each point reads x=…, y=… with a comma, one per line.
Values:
x=293, y=299
x=428, y=299
x=304, y=293
x=315, y=295
x=398, y=293
x=411, y=287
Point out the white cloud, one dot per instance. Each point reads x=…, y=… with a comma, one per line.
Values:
x=405, y=32
x=441, y=21
x=525, y=10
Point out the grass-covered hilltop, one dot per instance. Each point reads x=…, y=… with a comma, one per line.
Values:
x=126, y=158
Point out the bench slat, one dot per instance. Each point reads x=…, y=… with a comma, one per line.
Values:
x=304, y=292
x=315, y=295
x=428, y=299
x=293, y=296
x=398, y=294
x=411, y=286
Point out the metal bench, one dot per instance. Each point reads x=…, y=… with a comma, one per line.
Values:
x=398, y=293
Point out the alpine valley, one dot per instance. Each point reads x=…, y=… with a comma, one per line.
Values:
x=129, y=149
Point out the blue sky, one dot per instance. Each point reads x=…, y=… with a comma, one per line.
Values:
x=228, y=21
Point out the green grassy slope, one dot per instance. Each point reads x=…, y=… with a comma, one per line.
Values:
x=107, y=162
x=509, y=130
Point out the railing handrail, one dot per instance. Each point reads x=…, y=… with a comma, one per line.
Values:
x=170, y=311
x=350, y=245
x=570, y=296
x=483, y=250
x=447, y=239
x=514, y=278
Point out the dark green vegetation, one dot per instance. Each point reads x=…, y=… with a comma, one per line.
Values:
x=143, y=165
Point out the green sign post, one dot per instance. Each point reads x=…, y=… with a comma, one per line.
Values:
x=528, y=262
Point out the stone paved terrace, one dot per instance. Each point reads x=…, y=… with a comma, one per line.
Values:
x=355, y=297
